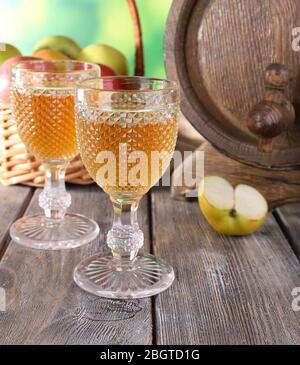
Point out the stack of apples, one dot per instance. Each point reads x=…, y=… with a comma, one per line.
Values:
x=111, y=61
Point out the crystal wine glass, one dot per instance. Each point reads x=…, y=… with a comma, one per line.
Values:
x=126, y=133
x=43, y=94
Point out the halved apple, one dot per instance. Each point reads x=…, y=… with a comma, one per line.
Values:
x=232, y=211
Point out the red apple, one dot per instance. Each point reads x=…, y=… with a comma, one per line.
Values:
x=109, y=83
x=104, y=70
x=107, y=71
x=5, y=75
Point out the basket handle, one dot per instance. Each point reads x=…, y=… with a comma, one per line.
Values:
x=139, y=49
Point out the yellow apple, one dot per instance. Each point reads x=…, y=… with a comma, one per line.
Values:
x=105, y=55
x=59, y=43
x=7, y=51
x=232, y=211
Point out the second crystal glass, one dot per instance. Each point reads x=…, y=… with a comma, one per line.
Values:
x=44, y=109
x=126, y=131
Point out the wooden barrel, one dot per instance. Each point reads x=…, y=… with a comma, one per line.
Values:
x=219, y=51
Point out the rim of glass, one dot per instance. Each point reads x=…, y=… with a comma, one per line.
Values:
x=89, y=66
x=168, y=84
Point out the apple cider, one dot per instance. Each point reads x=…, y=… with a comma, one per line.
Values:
x=127, y=147
x=45, y=121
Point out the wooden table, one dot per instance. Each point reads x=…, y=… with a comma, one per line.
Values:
x=226, y=291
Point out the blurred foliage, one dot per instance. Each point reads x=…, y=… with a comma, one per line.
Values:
x=24, y=22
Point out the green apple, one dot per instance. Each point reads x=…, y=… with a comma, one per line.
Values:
x=232, y=211
x=105, y=55
x=7, y=51
x=59, y=43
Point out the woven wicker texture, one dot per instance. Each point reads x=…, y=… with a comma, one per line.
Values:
x=18, y=166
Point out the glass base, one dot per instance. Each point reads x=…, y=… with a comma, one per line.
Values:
x=40, y=233
x=103, y=275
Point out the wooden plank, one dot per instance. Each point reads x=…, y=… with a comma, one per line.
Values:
x=288, y=217
x=14, y=200
x=46, y=307
x=227, y=290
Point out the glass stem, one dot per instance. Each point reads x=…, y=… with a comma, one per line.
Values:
x=54, y=199
x=125, y=237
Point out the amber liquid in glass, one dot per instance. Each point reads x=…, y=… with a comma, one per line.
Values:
x=146, y=132
x=45, y=120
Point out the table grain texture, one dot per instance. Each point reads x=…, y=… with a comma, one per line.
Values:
x=227, y=290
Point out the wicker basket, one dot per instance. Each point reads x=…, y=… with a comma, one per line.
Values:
x=18, y=166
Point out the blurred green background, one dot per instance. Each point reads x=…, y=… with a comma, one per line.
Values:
x=24, y=22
